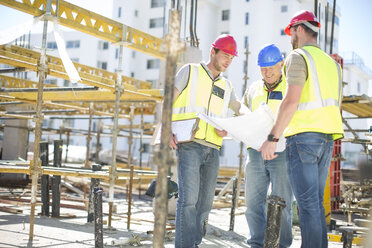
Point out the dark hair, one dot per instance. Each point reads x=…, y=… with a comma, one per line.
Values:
x=308, y=30
x=216, y=50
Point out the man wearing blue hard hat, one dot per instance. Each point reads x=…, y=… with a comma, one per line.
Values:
x=259, y=173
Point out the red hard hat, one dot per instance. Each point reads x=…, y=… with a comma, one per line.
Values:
x=226, y=43
x=301, y=17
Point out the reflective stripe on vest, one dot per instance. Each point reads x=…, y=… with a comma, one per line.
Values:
x=319, y=102
x=203, y=95
x=319, y=105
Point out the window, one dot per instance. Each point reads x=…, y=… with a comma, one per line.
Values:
x=284, y=8
x=116, y=53
x=75, y=60
x=102, y=65
x=337, y=21
x=132, y=74
x=133, y=54
x=156, y=22
x=247, y=1
x=66, y=83
x=225, y=15
x=119, y=12
x=136, y=13
x=246, y=18
x=73, y=44
x=152, y=81
x=245, y=41
x=146, y=148
x=103, y=45
x=282, y=32
x=157, y=3
x=358, y=87
x=51, y=81
x=52, y=45
x=152, y=64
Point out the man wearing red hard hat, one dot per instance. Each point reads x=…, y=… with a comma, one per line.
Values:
x=201, y=88
x=310, y=118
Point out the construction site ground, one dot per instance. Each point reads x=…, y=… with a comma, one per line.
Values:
x=72, y=229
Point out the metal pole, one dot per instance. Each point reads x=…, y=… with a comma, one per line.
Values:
x=233, y=205
x=326, y=27
x=130, y=142
x=44, y=157
x=94, y=183
x=164, y=158
x=273, y=221
x=236, y=191
x=98, y=146
x=113, y=174
x=56, y=180
x=130, y=196
x=333, y=26
x=35, y=169
x=89, y=136
x=316, y=8
x=98, y=223
x=347, y=238
x=141, y=150
x=67, y=144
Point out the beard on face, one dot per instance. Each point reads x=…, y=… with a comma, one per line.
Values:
x=294, y=41
x=218, y=67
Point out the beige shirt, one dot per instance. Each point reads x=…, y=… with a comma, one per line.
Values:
x=295, y=68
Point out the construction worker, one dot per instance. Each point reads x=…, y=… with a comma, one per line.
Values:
x=310, y=118
x=201, y=88
x=260, y=173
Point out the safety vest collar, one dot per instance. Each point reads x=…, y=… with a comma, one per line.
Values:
x=318, y=102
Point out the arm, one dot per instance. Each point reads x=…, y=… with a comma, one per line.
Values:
x=285, y=113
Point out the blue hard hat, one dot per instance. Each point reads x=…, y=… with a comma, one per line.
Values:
x=269, y=56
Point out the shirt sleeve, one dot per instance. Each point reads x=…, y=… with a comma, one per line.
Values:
x=182, y=78
x=295, y=69
x=233, y=96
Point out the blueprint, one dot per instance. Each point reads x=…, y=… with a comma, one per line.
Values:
x=251, y=128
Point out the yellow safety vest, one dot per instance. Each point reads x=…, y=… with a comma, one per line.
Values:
x=258, y=93
x=203, y=95
x=319, y=106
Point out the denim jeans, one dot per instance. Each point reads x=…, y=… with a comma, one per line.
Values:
x=308, y=159
x=258, y=175
x=198, y=167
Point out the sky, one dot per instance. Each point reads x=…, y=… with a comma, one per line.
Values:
x=355, y=23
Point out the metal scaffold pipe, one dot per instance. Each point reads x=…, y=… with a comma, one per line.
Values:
x=275, y=205
x=236, y=187
x=35, y=166
x=164, y=158
x=113, y=173
x=130, y=142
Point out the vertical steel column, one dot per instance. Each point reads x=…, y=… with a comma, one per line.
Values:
x=98, y=223
x=35, y=169
x=98, y=146
x=94, y=183
x=89, y=136
x=236, y=192
x=233, y=205
x=164, y=158
x=56, y=180
x=113, y=173
x=141, y=150
x=130, y=142
x=44, y=157
x=67, y=144
x=347, y=238
x=273, y=221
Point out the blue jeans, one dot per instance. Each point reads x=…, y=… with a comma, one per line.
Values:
x=258, y=175
x=198, y=167
x=308, y=159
